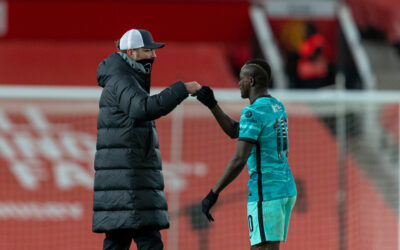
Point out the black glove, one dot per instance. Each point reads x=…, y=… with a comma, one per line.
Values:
x=207, y=203
x=206, y=96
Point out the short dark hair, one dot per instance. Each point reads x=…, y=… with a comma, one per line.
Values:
x=260, y=71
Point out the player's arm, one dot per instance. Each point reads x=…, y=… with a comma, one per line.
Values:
x=232, y=170
x=231, y=127
x=235, y=165
x=227, y=123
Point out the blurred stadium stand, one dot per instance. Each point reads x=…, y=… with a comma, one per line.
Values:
x=74, y=63
x=379, y=24
x=79, y=27
x=67, y=39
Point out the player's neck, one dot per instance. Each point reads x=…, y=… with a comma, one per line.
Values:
x=257, y=94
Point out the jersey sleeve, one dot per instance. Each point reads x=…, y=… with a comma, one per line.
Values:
x=250, y=125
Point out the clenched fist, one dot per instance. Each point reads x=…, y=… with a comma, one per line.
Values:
x=192, y=87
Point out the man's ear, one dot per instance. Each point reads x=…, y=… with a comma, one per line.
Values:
x=131, y=53
x=252, y=81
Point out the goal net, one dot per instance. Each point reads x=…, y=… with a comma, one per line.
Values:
x=344, y=155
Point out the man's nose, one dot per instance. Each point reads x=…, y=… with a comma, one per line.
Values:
x=153, y=54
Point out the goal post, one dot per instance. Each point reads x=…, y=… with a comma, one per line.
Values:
x=344, y=154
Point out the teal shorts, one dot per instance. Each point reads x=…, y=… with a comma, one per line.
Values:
x=269, y=220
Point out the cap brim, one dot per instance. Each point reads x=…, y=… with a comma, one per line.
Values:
x=154, y=46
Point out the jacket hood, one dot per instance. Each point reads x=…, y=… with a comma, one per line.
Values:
x=116, y=64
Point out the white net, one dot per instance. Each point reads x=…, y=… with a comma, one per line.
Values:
x=343, y=153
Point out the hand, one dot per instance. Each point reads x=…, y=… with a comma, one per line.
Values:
x=207, y=204
x=206, y=96
x=192, y=87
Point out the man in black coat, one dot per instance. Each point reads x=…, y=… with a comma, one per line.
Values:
x=129, y=200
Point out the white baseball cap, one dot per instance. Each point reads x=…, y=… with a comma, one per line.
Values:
x=135, y=38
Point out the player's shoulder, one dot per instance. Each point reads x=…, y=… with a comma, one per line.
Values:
x=251, y=114
x=248, y=111
x=266, y=105
x=255, y=113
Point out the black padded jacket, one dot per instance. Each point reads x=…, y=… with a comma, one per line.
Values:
x=128, y=183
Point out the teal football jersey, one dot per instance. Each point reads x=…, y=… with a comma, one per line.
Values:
x=265, y=123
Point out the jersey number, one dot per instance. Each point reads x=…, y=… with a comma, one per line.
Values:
x=282, y=136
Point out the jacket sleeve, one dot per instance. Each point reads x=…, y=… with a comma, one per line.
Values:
x=138, y=104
